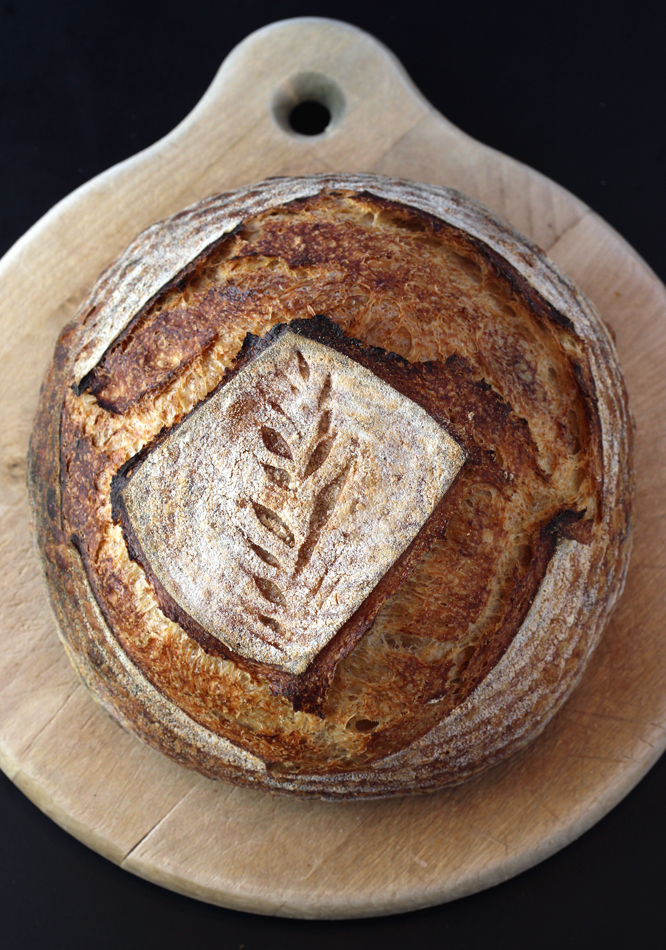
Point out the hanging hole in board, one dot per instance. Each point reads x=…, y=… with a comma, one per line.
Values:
x=308, y=105
x=310, y=118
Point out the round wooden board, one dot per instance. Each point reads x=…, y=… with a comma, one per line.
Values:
x=244, y=849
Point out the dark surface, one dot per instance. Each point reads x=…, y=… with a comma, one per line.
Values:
x=576, y=91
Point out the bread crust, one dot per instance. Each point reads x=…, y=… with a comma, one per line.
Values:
x=134, y=344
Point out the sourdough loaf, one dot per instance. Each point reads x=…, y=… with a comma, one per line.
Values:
x=332, y=482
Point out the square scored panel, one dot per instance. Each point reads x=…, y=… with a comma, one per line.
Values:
x=276, y=507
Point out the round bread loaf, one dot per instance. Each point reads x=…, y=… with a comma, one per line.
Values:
x=332, y=483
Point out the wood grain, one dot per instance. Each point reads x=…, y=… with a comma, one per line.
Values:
x=243, y=849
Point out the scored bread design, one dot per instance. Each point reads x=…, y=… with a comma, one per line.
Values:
x=332, y=482
x=273, y=511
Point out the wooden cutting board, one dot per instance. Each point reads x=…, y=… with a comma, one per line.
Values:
x=245, y=849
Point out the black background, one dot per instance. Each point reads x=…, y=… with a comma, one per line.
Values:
x=576, y=90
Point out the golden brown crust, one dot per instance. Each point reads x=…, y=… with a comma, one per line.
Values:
x=521, y=374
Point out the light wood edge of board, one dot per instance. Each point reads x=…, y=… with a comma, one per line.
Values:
x=126, y=801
